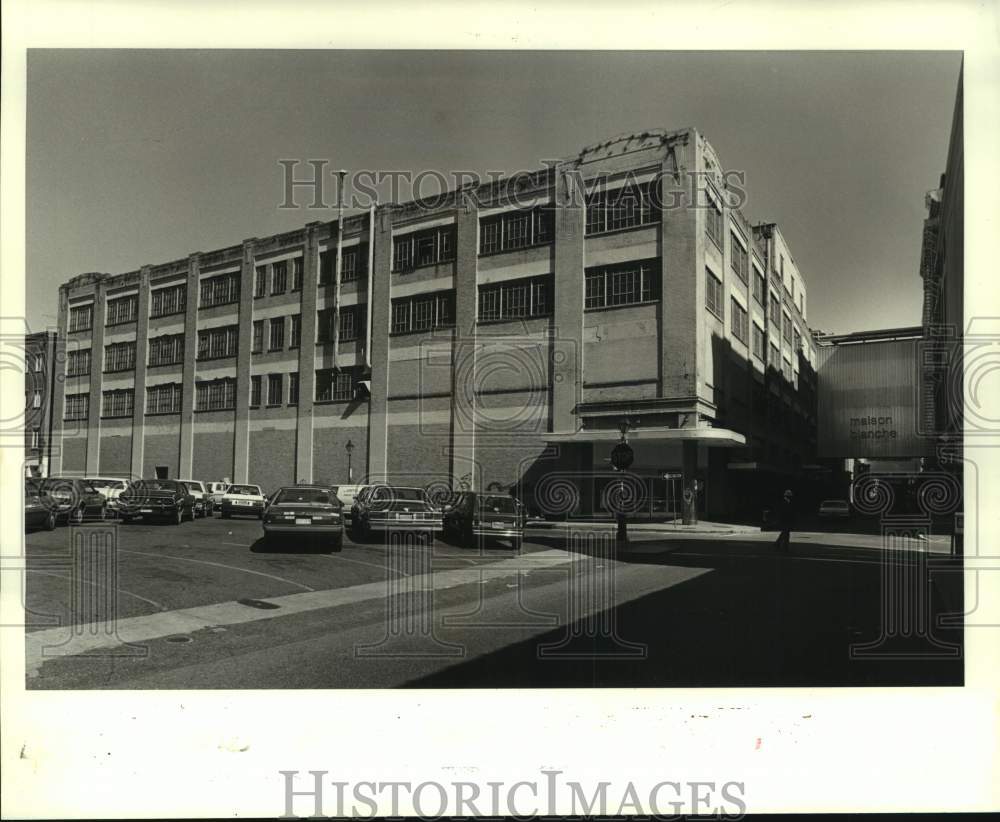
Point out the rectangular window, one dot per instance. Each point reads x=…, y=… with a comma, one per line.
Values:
x=713, y=294
x=39, y=363
x=279, y=277
x=759, y=287
x=274, y=389
x=713, y=223
x=297, y=269
x=36, y=399
x=220, y=290
x=255, y=383
x=81, y=318
x=787, y=369
x=797, y=337
x=117, y=403
x=423, y=312
x=515, y=299
x=260, y=282
x=164, y=399
x=218, y=343
x=276, y=336
x=739, y=321
x=622, y=284
x=758, y=342
x=786, y=327
x=119, y=357
x=349, y=323
x=166, y=301
x=121, y=310
x=738, y=258
x=625, y=207
x=77, y=406
x=419, y=248
x=78, y=363
x=166, y=350
x=295, y=333
x=516, y=229
x=257, y=337
x=293, y=389
x=775, y=311
x=36, y=438
x=354, y=263
x=215, y=395
x=334, y=386
x=775, y=360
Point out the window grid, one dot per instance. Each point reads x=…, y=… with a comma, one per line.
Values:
x=119, y=357
x=220, y=290
x=293, y=389
x=786, y=327
x=334, y=386
x=740, y=321
x=758, y=342
x=419, y=248
x=295, y=332
x=618, y=208
x=713, y=294
x=274, y=388
x=117, y=403
x=257, y=337
x=164, y=399
x=260, y=282
x=297, y=270
x=759, y=287
x=218, y=343
x=81, y=318
x=775, y=311
x=77, y=406
x=739, y=260
x=166, y=301
x=423, y=312
x=122, y=310
x=625, y=284
x=78, y=363
x=279, y=277
x=166, y=350
x=713, y=223
x=348, y=326
x=215, y=395
x=255, y=391
x=276, y=335
x=512, y=299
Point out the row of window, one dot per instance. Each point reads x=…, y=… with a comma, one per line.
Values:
x=353, y=264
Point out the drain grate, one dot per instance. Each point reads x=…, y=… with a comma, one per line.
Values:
x=180, y=639
x=256, y=603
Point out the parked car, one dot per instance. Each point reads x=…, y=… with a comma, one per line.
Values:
x=216, y=491
x=347, y=494
x=36, y=513
x=834, y=508
x=385, y=508
x=111, y=487
x=474, y=519
x=72, y=499
x=200, y=494
x=161, y=499
x=243, y=500
x=305, y=511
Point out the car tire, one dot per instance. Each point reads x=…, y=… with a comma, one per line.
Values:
x=125, y=520
x=50, y=521
x=225, y=515
x=103, y=516
x=178, y=517
x=77, y=516
x=337, y=544
x=516, y=544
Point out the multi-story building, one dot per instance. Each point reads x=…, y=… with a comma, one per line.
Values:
x=501, y=338
x=39, y=381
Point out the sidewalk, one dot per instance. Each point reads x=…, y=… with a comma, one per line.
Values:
x=701, y=527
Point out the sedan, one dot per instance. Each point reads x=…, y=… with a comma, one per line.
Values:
x=474, y=518
x=834, y=508
x=166, y=500
x=305, y=511
x=72, y=499
x=200, y=494
x=36, y=513
x=385, y=508
x=243, y=501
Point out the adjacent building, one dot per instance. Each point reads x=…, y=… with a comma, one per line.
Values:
x=39, y=386
x=504, y=337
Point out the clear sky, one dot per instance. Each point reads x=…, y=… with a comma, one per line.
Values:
x=140, y=157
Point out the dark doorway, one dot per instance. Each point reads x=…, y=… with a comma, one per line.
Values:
x=162, y=471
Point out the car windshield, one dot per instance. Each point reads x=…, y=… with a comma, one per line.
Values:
x=56, y=482
x=193, y=486
x=106, y=483
x=244, y=490
x=302, y=495
x=154, y=485
x=502, y=505
x=404, y=494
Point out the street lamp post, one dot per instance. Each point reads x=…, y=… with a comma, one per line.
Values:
x=621, y=458
x=349, y=448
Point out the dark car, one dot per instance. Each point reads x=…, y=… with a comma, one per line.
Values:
x=304, y=512
x=72, y=499
x=36, y=513
x=166, y=500
x=476, y=518
x=385, y=508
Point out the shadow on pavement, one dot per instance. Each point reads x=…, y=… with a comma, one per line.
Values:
x=755, y=619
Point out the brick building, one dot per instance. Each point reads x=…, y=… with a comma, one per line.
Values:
x=39, y=379
x=499, y=338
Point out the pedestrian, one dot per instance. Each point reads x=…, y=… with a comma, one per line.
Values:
x=786, y=521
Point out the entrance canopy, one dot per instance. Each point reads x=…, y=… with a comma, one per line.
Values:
x=709, y=437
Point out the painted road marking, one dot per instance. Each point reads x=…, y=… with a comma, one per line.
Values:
x=51, y=643
x=218, y=565
x=362, y=562
x=154, y=603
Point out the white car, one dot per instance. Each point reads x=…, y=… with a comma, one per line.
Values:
x=346, y=495
x=110, y=488
x=243, y=500
x=215, y=491
x=201, y=502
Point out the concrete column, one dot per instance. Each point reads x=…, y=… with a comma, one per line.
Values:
x=307, y=356
x=567, y=344
x=186, y=461
x=241, y=426
x=463, y=405
x=689, y=466
x=141, y=355
x=96, y=381
x=57, y=400
x=378, y=433
x=682, y=308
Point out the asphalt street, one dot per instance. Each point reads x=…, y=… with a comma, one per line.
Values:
x=208, y=604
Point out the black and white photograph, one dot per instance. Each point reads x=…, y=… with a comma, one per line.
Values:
x=371, y=371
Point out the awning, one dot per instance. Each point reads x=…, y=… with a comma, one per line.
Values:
x=709, y=437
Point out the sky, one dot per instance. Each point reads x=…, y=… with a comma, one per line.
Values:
x=141, y=157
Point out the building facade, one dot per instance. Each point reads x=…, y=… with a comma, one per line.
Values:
x=39, y=384
x=502, y=337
